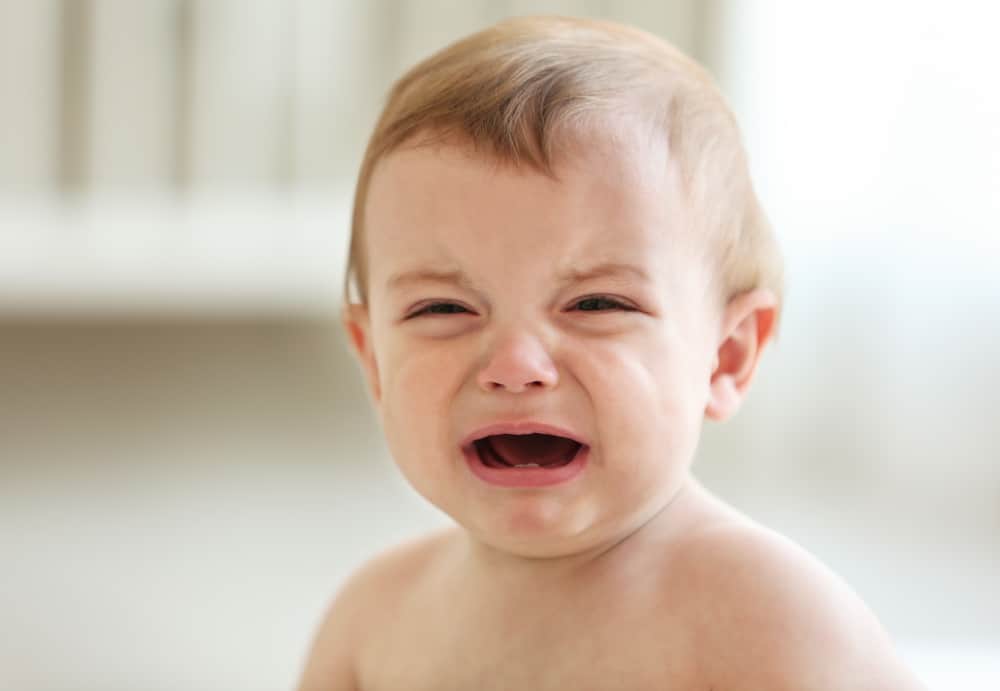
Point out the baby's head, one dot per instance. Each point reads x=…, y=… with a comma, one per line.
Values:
x=555, y=236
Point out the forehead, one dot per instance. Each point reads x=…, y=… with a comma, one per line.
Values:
x=613, y=199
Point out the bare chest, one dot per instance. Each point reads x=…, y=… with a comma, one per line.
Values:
x=547, y=646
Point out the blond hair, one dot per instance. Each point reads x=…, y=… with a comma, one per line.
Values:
x=521, y=89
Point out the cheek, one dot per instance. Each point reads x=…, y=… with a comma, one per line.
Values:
x=619, y=376
x=630, y=375
x=418, y=381
x=643, y=397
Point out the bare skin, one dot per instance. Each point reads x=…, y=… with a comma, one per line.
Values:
x=698, y=598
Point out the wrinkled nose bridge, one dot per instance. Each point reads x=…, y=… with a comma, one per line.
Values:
x=517, y=360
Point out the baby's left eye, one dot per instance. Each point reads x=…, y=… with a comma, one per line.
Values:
x=601, y=304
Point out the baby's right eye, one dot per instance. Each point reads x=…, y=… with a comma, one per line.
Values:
x=438, y=308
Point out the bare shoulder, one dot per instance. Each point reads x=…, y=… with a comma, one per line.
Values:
x=367, y=595
x=768, y=615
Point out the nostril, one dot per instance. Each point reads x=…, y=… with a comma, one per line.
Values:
x=536, y=384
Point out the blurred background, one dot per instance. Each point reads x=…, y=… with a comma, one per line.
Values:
x=188, y=463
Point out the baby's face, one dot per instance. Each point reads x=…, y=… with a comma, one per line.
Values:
x=498, y=296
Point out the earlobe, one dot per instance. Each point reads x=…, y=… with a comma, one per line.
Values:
x=357, y=324
x=747, y=327
x=724, y=399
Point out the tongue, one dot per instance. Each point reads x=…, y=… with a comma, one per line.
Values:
x=543, y=449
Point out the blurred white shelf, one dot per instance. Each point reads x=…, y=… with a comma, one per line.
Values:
x=218, y=252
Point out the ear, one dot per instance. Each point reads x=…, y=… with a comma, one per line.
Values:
x=747, y=326
x=357, y=324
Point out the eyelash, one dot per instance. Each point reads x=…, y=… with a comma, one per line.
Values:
x=618, y=305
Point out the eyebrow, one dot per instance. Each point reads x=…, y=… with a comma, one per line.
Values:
x=605, y=269
x=403, y=278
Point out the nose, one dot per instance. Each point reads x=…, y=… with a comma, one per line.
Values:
x=518, y=362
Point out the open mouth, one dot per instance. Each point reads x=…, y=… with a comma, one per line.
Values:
x=507, y=451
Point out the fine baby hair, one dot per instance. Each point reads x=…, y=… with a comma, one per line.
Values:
x=528, y=90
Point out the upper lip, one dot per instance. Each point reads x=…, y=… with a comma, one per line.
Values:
x=522, y=427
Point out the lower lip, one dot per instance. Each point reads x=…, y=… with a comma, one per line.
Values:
x=526, y=477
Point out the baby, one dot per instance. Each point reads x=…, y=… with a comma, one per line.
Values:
x=558, y=269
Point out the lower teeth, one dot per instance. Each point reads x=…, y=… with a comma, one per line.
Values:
x=527, y=465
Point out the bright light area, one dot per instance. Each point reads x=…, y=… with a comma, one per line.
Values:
x=871, y=118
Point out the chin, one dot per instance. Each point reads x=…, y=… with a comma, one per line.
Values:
x=539, y=530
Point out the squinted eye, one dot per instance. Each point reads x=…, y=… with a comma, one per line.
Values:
x=439, y=308
x=601, y=304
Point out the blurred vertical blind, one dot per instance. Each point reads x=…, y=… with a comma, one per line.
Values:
x=200, y=154
x=178, y=94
